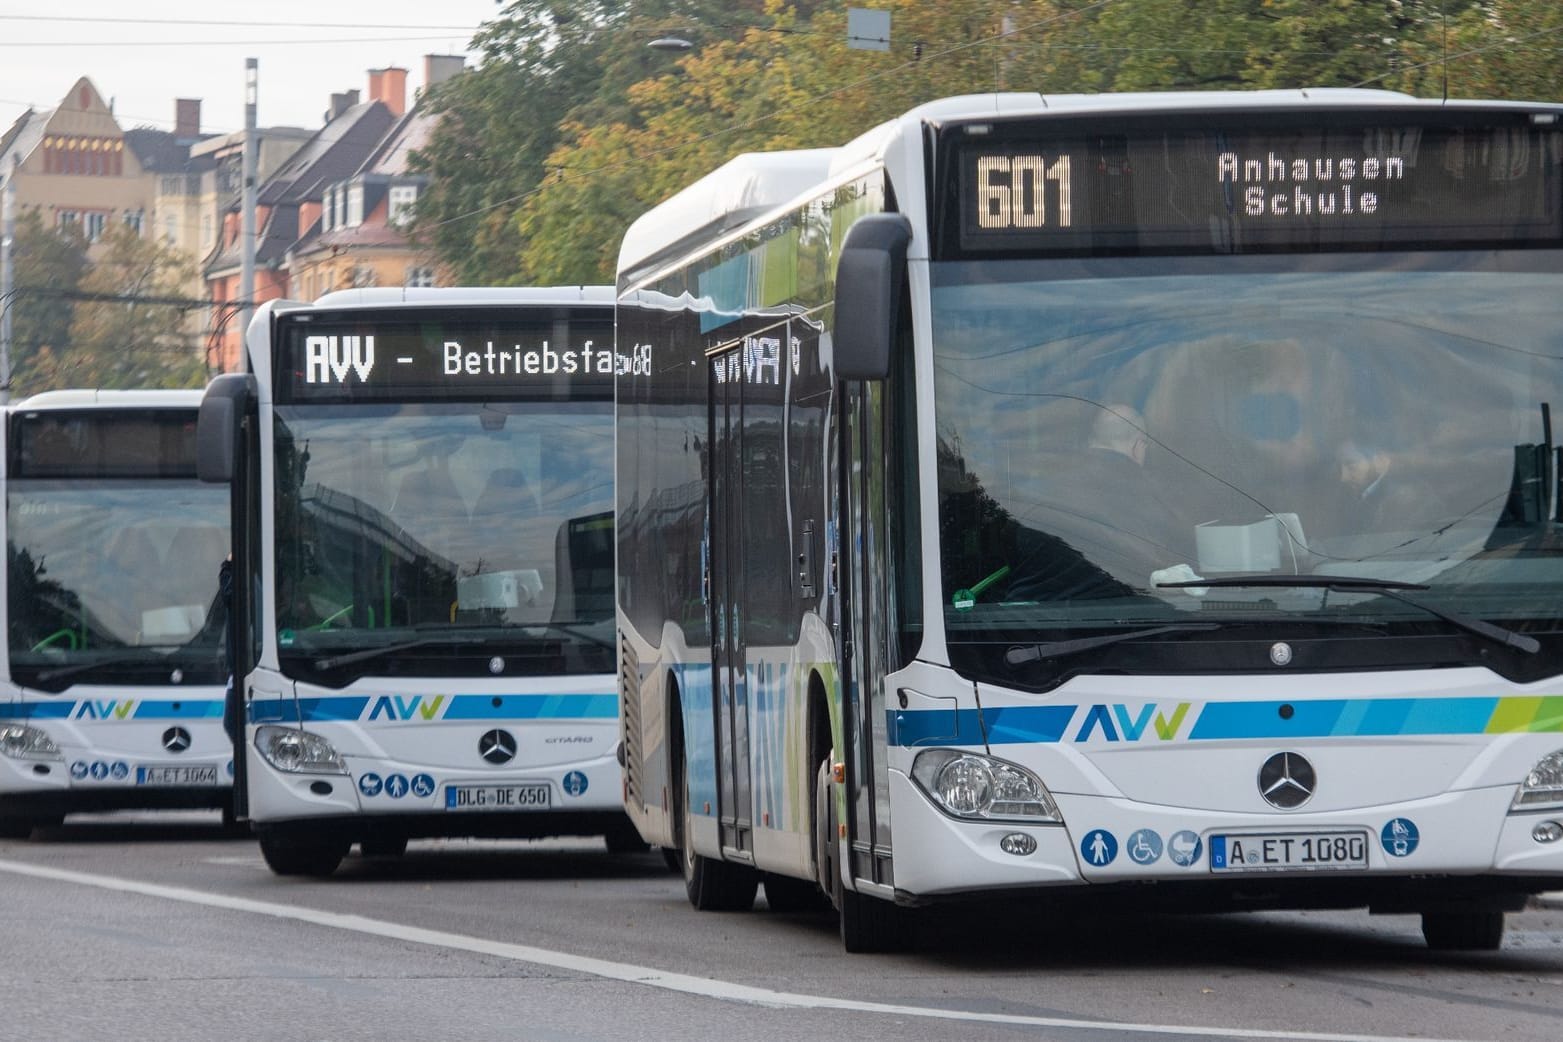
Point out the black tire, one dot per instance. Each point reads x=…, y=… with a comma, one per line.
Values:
x=16, y=828
x=711, y=884
x=289, y=853
x=1463, y=931
x=788, y=896
x=623, y=839
x=383, y=846
x=871, y=924
x=868, y=924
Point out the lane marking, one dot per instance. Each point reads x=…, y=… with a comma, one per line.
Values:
x=629, y=973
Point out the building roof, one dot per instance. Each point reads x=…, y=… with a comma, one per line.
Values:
x=335, y=151
x=161, y=152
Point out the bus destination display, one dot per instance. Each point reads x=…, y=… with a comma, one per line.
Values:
x=1227, y=190
x=334, y=358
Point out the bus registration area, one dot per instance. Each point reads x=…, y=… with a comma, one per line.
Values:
x=1291, y=851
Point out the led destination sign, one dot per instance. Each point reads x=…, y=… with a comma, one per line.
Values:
x=344, y=357
x=1032, y=186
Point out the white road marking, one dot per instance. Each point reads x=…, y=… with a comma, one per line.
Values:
x=645, y=975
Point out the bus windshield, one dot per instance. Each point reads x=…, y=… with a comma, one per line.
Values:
x=1110, y=429
x=115, y=581
x=422, y=539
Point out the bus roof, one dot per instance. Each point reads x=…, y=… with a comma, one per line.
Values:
x=457, y=295
x=106, y=399
x=753, y=183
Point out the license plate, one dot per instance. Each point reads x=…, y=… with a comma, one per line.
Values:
x=1293, y=851
x=496, y=797
x=177, y=774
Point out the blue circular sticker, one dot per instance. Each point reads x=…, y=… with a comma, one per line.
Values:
x=575, y=783
x=1143, y=846
x=1400, y=837
x=369, y=784
x=79, y=770
x=422, y=785
x=99, y=769
x=120, y=770
x=1184, y=848
x=230, y=768
x=396, y=786
x=1098, y=848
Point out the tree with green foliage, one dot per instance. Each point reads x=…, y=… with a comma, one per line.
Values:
x=130, y=327
x=49, y=267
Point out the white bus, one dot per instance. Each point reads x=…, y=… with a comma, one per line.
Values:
x=111, y=690
x=1151, y=498
x=423, y=481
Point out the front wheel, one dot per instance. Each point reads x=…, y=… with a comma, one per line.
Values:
x=1463, y=931
x=290, y=853
x=383, y=846
x=623, y=839
x=868, y=924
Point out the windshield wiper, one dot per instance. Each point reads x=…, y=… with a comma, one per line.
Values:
x=60, y=672
x=1054, y=649
x=333, y=661
x=1386, y=587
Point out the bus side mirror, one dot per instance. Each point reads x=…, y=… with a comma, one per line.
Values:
x=217, y=426
x=870, y=279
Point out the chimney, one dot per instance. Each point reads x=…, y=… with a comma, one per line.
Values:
x=389, y=87
x=187, y=118
x=340, y=103
x=437, y=68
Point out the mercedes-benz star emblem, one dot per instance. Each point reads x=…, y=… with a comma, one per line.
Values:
x=497, y=746
x=1287, y=781
x=176, y=739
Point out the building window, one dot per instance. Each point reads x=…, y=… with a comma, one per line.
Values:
x=93, y=224
x=135, y=220
x=420, y=277
x=355, y=206
x=402, y=200
x=364, y=275
x=68, y=220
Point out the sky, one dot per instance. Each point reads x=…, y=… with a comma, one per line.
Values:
x=144, y=55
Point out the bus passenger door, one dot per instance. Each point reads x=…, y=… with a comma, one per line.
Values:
x=728, y=671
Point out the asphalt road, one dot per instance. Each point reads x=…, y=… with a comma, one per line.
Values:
x=157, y=927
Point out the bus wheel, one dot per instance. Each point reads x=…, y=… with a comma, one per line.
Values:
x=868, y=924
x=1463, y=931
x=16, y=828
x=787, y=895
x=290, y=853
x=383, y=846
x=623, y=839
x=713, y=885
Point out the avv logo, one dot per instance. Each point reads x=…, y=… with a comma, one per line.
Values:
x=110, y=710
x=395, y=707
x=328, y=359
x=1116, y=720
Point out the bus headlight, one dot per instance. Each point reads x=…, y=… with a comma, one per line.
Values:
x=298, y=751
x=982, y=788
x=1543, y=786
x=24, y=742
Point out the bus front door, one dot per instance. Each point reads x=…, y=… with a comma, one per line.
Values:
x=730, y=690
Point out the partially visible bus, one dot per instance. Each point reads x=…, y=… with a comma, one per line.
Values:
x=423, y=490
x=111, y=689
x=1148, y=498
